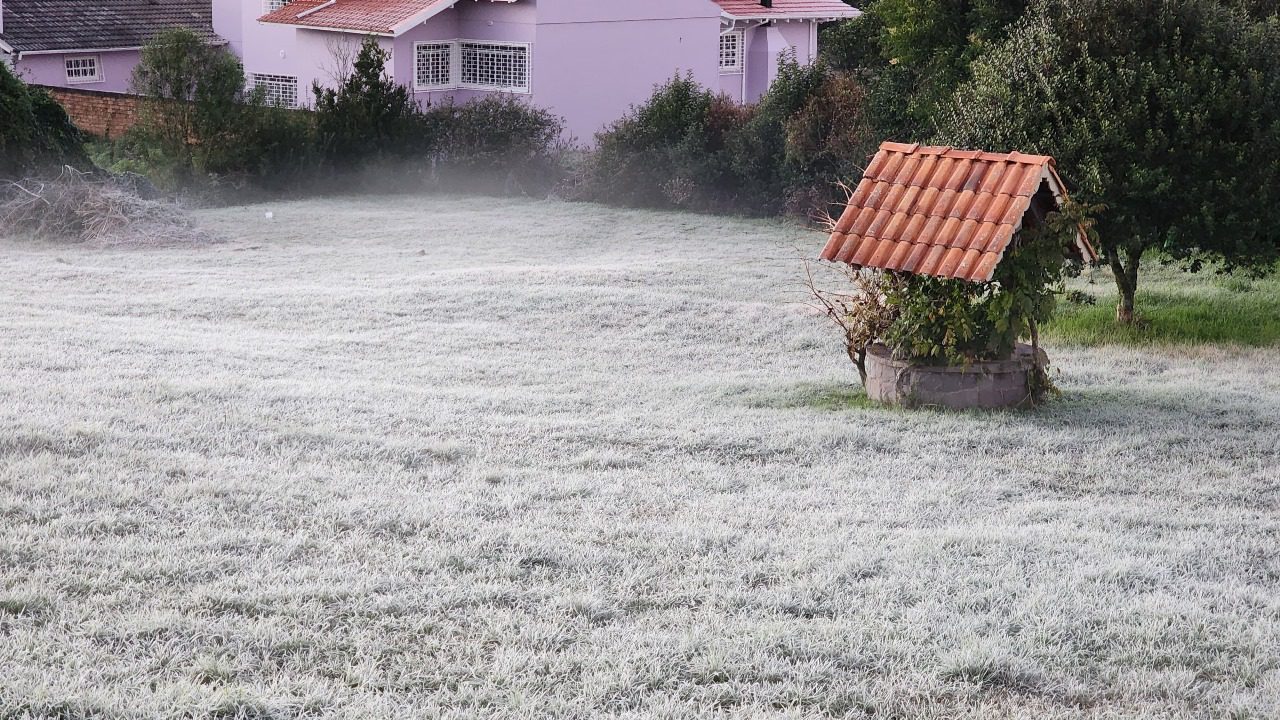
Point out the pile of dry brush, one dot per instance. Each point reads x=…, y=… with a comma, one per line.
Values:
x=78, y=206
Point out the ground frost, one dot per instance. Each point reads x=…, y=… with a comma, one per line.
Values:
x=473, y=458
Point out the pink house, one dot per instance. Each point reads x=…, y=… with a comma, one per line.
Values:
x=585, y=60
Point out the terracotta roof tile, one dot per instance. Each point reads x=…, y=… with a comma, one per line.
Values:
x=939, y=211
x=384, y=17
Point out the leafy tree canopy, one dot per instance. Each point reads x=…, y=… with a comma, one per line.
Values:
x=1165, y=111
x=35, y=131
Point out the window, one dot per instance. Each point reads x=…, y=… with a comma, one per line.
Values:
x=494, y=66
x=433, y=65
x=83, y=69
x=269, y=6
x=731, y=51
x=278, y=90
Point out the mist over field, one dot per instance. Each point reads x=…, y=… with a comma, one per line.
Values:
x=478, y=457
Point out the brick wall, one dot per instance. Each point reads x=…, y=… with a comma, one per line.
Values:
x=104, y=114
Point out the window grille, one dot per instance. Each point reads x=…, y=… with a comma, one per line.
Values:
x=433, y=65
x=495, y=66
x=269, y=6
x=83, y=69
x=278, y=90
x=731, y=51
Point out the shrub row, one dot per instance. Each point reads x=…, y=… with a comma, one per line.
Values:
x=687, y=147
x=200, y=128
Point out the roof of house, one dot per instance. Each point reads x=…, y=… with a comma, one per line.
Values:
x=379, y=17
x=942, y=212
x=33, y=26
x=787, y=10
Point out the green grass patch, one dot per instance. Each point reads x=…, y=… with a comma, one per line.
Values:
x=1174, y=307
x=813, y=395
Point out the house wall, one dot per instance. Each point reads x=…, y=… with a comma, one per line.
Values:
x=262, y=48
x=116, y=67
x=594, y=59
x=515, y=22
x=763, y=46
x=591, y=59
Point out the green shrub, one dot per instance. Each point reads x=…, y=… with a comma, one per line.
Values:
x=200, y=124
x=193, y=91
x=828, y=142
x=369, y=119
x=686, y=147
x=663, y=153
x=763, y=175
x=35, y=132
x=496, y=141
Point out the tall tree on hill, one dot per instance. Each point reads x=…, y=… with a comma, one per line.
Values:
x=1165, y=111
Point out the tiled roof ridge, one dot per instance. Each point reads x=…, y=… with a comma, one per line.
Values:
x=963, y=154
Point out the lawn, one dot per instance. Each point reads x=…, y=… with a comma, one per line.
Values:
x=499, y=458
x=1175, y=307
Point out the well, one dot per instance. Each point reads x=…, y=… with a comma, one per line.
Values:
x=999, y=384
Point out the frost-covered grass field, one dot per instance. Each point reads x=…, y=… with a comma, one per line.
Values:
x=493, y=458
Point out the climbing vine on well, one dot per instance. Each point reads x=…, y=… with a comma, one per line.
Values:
x=956, y=322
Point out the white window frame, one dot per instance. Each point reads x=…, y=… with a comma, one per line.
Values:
x=270, y=6
x=528, y=67
x=739, y=55
x=254, y=84
x=451, y=48
x=455, y=66
x=81, y=80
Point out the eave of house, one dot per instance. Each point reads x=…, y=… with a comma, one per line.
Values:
x=84, y=51
x=826, y=17
x=396, y=30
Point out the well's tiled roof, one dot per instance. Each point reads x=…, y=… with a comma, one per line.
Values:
x=783, y=9
x=942, y=212
x=385, y=17
x=36, y=25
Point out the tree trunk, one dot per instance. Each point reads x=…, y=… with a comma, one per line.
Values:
x=859, y=358
x=1126, y=280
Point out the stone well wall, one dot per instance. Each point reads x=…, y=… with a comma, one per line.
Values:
x=980, y=385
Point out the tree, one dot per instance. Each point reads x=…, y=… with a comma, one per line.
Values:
x=35, y=131
x=368, y=116
x=194, y=90
x=1165, y=111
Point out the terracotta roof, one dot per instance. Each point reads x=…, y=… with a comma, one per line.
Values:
x=380, y=17
x=942, y=212
x=52, y=25
x=785, y=9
